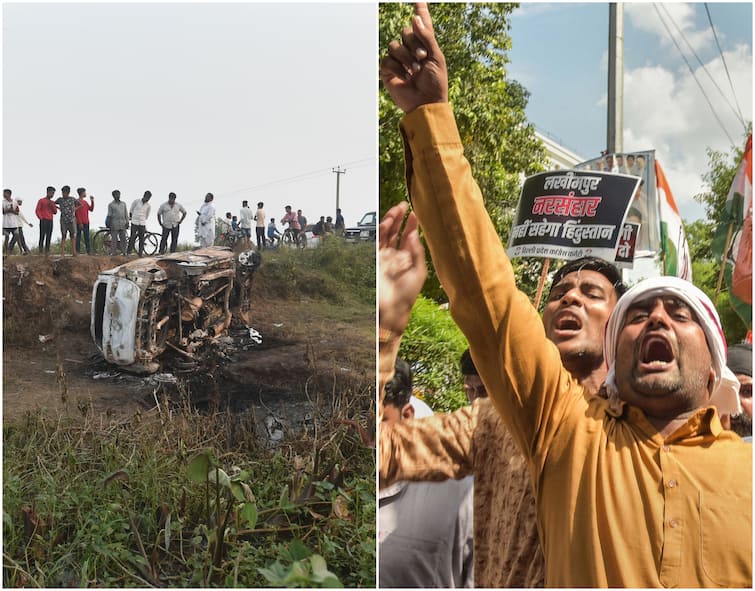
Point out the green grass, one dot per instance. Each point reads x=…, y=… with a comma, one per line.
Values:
x=336, y=271
x=92, y=505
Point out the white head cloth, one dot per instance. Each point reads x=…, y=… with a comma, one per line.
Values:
x=421, y=410
x=725, y=394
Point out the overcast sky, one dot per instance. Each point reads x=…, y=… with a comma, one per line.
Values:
x=247, y=101
x=560, y=54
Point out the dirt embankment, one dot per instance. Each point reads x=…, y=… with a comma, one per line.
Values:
x=50, y=361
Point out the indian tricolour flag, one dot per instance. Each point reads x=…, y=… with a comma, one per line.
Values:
x=734, y=237
x=676, y=259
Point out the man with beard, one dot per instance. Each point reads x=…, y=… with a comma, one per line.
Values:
x=642, y=488
x=474, y=440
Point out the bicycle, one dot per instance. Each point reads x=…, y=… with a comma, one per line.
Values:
x=291, y=240
x=102, y=242
x=230, y=238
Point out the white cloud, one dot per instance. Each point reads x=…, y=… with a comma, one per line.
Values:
x=645, y=17
x=666, y=110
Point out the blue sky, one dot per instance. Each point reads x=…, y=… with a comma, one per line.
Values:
x=560, y=55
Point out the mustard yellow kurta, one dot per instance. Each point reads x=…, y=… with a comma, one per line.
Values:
x=617, y=504
x=473, y=440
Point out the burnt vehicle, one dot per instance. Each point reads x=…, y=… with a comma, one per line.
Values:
x=366, y=229
x=179, y=301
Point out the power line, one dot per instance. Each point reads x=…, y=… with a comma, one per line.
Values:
x=705, y=69
x=726, y=68
x=299, y=177
x=693, y=74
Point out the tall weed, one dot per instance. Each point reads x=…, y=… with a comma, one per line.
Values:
x=87, y=504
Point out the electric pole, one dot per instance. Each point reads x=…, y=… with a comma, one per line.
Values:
x=338, y=173
x=615, y=128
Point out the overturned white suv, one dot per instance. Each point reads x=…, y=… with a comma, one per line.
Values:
x=176, y=301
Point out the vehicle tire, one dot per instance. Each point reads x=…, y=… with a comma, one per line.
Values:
x=151, y=243
x=302, y=240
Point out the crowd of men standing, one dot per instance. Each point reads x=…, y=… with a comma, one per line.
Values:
x=74, y=222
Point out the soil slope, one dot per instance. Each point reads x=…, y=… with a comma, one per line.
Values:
x=51, y=363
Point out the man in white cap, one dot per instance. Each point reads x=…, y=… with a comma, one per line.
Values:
x=643, y=488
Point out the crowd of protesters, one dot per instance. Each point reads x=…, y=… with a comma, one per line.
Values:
x=603, y=447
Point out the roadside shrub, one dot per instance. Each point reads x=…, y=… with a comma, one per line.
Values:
x=432, y=345
x=334, y=271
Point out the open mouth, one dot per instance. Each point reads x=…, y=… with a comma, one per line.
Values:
x=568, y=323
x=656, y=352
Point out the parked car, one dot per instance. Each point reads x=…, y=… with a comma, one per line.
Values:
x=179, y=300
x=366, y=229
x=312, y=240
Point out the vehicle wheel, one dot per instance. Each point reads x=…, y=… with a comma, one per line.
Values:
x=151, y=244
x=96, y=239
x=287, y=240
x=302, y=240
x=101, y=242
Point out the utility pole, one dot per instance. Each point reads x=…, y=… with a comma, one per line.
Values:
x=615, y=127
x=338, y=173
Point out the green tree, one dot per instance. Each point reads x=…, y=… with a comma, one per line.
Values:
x=498, y=140
x=722, y=168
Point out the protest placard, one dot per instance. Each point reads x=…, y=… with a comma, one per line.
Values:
x=627, y=245
x=568, y=214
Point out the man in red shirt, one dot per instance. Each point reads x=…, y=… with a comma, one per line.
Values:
x=82, y=219
x=45, y=211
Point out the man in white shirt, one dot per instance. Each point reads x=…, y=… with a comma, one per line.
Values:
x=138, y=216
x=21, y=240
x=425, y=529
x=260, y=217
x=11, y=223
x=206, y=222
x=245, y=221
x=169, y=216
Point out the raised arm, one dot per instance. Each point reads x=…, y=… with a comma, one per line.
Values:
x=414, y=71
x=521, y=369
x=402, y=272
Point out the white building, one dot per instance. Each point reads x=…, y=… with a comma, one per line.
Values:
x=559, y=156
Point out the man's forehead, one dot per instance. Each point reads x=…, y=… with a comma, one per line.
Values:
x=585, y=276
x=670, y=301
x=667, y=298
